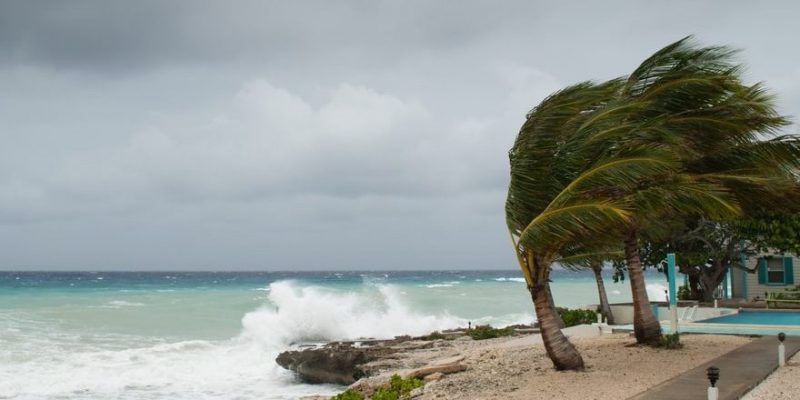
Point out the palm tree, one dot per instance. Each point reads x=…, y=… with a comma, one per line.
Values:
x=694, y=99
x=605, y=307
x=558, y=193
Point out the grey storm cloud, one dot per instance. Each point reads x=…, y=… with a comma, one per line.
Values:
x=305, y=134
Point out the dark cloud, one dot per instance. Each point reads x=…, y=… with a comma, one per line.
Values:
x=305, y=134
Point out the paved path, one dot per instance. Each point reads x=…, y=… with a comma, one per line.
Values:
x=740, y=370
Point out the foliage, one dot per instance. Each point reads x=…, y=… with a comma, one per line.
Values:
x=348, y=394
x=681, y=137
x=684, y=293
x=435, y=335
x=772, y=230
x=670, y=341
x=786, y=294
x=481, y=332
x=399, y=388
x=576, y=317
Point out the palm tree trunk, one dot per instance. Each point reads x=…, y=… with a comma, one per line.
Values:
x=563, y=354
x=552, y=303
x=605, y=308
x=645, y=325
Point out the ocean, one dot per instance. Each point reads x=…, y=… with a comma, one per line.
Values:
x=215, y=335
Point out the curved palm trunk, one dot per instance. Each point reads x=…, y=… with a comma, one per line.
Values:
x=605, y=308
x=559, y=320
x=563, y=354
x=645, y=325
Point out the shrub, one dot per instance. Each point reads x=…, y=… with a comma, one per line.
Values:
x=576, y=317
x=684, y=293
x=671, y=341
x=481, y=332
x=399, y=388
x=348, y=394
x=435, y=335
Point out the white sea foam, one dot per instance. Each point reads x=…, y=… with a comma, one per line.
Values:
x=121, y=303
x=442, y=285
x=314, y=314
x=240, y=367
x=504, y=279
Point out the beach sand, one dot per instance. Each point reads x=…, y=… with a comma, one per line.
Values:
x=518, y=368
x=784, y=383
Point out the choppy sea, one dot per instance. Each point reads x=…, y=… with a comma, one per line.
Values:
x=215, y=335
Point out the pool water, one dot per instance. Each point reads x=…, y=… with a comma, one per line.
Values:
x=758, y=318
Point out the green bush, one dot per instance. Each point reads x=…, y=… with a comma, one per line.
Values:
x=348, y=394
x=435, y=335
x=576, y=317
x=481, y=332
x=671, y=341
x=399, y=388
x=684, y=293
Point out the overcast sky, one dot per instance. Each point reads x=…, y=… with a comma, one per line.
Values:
x=302, y=134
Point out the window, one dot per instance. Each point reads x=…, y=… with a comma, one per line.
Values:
x=775, y=270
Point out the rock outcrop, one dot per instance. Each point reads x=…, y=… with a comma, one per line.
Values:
x=344, y=363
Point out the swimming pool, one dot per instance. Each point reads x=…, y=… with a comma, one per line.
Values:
x=746, y=322
x=758, y=317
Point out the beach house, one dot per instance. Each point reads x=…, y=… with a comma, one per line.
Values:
x=765, y=273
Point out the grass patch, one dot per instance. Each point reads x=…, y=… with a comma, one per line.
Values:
x=398, y=389
x=576, y=317
x=435, y=335
x=481, y=332
x=671, y=341
x=348, y=394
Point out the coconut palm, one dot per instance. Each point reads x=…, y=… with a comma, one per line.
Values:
x=558, y=193
x=693, y=98
x=605, y=307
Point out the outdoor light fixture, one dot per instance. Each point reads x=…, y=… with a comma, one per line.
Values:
x=713, y=375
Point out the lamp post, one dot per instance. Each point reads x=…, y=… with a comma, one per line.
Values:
x=781, y=350
x=713, y=376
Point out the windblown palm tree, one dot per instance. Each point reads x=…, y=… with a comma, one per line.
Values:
x=693, y=98
x=558, y=194
x=610, y=159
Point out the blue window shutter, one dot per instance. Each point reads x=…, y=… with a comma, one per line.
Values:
x=788, y=270
x=762, y=270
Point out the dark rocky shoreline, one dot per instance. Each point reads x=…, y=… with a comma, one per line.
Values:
x=346, y=362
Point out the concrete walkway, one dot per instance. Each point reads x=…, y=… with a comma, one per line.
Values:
x=739, y=371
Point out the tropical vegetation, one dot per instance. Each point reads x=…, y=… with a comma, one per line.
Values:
x=597, y=168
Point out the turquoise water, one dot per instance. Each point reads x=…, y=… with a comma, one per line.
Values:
x=758, y=318
x=215, y=335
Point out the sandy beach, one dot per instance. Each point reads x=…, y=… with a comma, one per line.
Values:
x=781, y=384
x=615, y=369
x=518, y=368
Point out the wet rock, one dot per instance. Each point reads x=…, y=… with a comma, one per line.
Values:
x=344, y=363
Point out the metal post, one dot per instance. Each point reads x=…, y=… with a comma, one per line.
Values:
x=673, y=298
x=713, y=376
x=781, y=350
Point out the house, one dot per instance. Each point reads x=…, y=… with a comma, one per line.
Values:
x=764, y=273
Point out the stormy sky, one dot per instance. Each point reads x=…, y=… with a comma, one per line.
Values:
x=306, y=135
